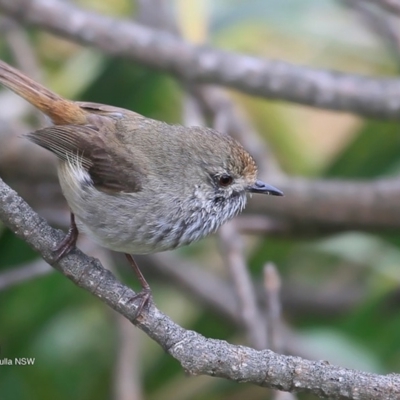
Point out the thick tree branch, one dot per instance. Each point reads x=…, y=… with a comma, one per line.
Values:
x=197, y=354
x=372, y=97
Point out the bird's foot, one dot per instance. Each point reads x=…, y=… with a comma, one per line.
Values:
x=146, y=299
x=145, y=293
x=69, y=241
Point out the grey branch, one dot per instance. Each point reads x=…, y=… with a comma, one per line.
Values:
x=379, y=23
x=21, y=274
x=197, y=354
x=367, y=96
x=310, y=206
x=334, y=203
x=272, y=289
x=392, y=6
x=231, y=248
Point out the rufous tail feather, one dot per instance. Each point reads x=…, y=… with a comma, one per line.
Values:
x=61, y=111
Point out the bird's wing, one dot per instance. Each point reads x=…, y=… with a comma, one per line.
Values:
x=81, y=144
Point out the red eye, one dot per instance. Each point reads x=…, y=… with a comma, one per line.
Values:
x=225, y=180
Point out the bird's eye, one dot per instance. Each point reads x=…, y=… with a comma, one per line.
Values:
x=225, y=180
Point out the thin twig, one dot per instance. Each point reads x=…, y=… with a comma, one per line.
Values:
x=379, y=23
x=272, y=287
x=230, y=119
x=334, y=203
x=261, y=225
x=232, y=253
x=127, y=383
x=19, y=44
x=392, y=6
x=126, y=379
x=21, y=274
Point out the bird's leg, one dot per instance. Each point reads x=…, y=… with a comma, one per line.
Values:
x=145, y=293
x=68, y=242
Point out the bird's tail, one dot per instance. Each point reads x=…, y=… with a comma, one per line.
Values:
x=61, y=111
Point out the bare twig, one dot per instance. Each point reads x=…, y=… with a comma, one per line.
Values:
x=261, y=225
x=20, y=274
x=334, y=203
x=228, y=118
x=232, y=252
x=272, y=287
x=127, y=374
x=379, y=23
x=392, y=6
x=126, y=383
x=18, y=42
x=206, y=287
x=216, y=294
x=279, y=395
x=373, y=97
x=192, y=115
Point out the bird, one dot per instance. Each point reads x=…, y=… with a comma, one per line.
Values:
x=137, y=185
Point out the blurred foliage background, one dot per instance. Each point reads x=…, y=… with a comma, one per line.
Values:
x=74, y=337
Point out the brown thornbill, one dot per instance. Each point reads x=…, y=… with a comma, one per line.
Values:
x=137, y=185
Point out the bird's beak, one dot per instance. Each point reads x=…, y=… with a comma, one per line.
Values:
x=263, y=188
